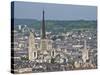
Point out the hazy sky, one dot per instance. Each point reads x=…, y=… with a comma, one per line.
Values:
x=30, y=10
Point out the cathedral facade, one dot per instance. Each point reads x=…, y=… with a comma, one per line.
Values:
x=44, y=52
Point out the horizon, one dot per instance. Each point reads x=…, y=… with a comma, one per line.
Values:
x=57, y=19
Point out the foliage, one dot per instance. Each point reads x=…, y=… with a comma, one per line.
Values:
x=58, y=25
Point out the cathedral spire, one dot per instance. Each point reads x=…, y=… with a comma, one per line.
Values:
x=43, y=26
x=43, y=35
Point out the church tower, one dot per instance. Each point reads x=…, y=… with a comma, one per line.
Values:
x=32, y=52
x=85, y=55
x=44, y=44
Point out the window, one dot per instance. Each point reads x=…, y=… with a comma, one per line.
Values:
x=34, y=54
x=52, y=53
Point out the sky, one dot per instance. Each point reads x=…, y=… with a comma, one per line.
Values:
x=31, y=10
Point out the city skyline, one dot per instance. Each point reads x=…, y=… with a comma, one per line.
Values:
x=53, y=45
x=28, y=10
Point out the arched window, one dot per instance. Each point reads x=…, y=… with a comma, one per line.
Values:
x=52, y=53
x=34, y=54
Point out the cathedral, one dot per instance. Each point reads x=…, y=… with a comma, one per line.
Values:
x=44, y=52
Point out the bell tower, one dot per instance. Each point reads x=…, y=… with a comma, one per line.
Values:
x=32, y=52
x=85, y=55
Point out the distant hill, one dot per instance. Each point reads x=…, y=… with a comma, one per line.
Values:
x=58, y=25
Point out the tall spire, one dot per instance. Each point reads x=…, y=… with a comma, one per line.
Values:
x=43, y=26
